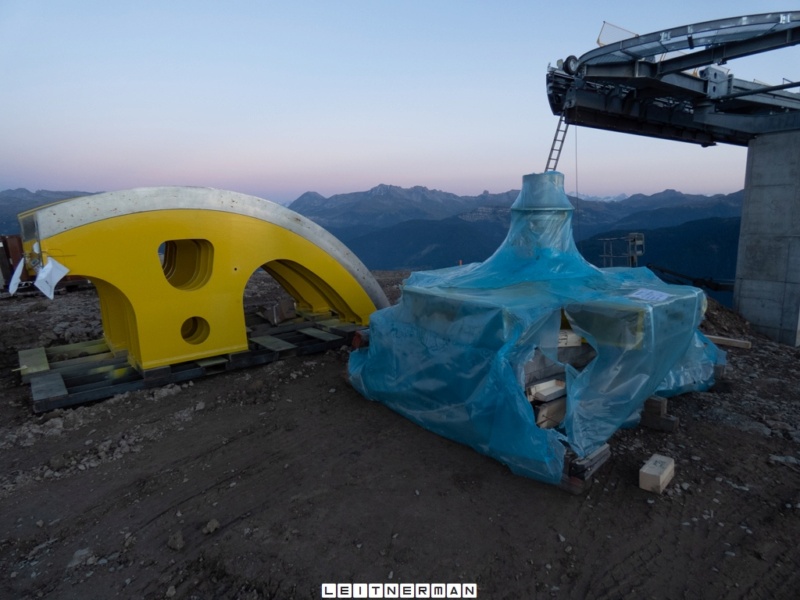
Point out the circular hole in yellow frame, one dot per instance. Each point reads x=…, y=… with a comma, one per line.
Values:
x=195, y=330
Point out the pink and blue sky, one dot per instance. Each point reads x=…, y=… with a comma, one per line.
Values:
x=278, y=98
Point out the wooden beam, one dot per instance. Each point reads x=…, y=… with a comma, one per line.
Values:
x=724, y=341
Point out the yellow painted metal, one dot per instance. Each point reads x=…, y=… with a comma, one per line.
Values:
x=191, y=306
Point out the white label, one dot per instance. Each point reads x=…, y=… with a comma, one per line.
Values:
x=649, y=295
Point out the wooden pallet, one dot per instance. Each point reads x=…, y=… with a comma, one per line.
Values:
x=75, y=374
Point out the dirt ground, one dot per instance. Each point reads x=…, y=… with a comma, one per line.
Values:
x=268, y=482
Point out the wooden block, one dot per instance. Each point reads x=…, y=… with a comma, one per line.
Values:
x=656, y=405
x=60, y=362
x=611, y=322
x=586, y=466
x=579, y=472
x=667, y=423
x=335, y=325
x=723, y=341
x=278, y=312
x=76, y=350
x=212, y=361
x=550, y=414
x=80, y=366
x=287, y=309
x=320, y=334
x=48, y=386
x=157, y=373
x=656, y=473
x=314, y=316
x=272, y=343
x=546, y=391
x=720, y=371
x=32, y=361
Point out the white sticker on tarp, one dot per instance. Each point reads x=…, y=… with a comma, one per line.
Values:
x=49, y=276
x=649, y=295
x=15, y=278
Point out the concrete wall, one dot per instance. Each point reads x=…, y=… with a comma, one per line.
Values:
x=767, y=290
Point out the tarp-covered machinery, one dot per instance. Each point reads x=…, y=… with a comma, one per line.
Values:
x=535, y=357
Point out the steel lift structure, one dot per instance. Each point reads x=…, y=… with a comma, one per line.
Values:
x=669, y=84
x=672, y=84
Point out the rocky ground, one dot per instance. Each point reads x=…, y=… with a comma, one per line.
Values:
x=267, y=482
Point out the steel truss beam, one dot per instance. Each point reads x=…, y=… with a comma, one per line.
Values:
x=644, y=85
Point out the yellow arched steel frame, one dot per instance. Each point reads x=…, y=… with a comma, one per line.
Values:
x=170, y=266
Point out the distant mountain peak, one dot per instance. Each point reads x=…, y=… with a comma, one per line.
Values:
x=312, y=196
x=382, y=189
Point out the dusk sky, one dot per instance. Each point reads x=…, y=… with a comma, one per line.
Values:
x=278, y=98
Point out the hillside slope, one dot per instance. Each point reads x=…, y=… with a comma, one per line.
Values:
x=13, y=202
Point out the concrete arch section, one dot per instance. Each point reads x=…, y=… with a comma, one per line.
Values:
x=170, y=265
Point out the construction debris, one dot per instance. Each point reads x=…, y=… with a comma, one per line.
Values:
x=656, y=473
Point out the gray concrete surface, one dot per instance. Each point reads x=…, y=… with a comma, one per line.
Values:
x=767, y=289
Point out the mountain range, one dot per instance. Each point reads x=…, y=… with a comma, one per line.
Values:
x=392, y=228
x=396, y=228
x=352, y=215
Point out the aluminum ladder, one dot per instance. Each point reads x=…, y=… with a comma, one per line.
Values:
x=558, y=144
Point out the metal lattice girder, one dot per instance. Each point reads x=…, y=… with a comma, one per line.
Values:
x=170, y=265
x=645, y=84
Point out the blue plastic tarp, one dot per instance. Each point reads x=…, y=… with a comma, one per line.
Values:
x=458, y=352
